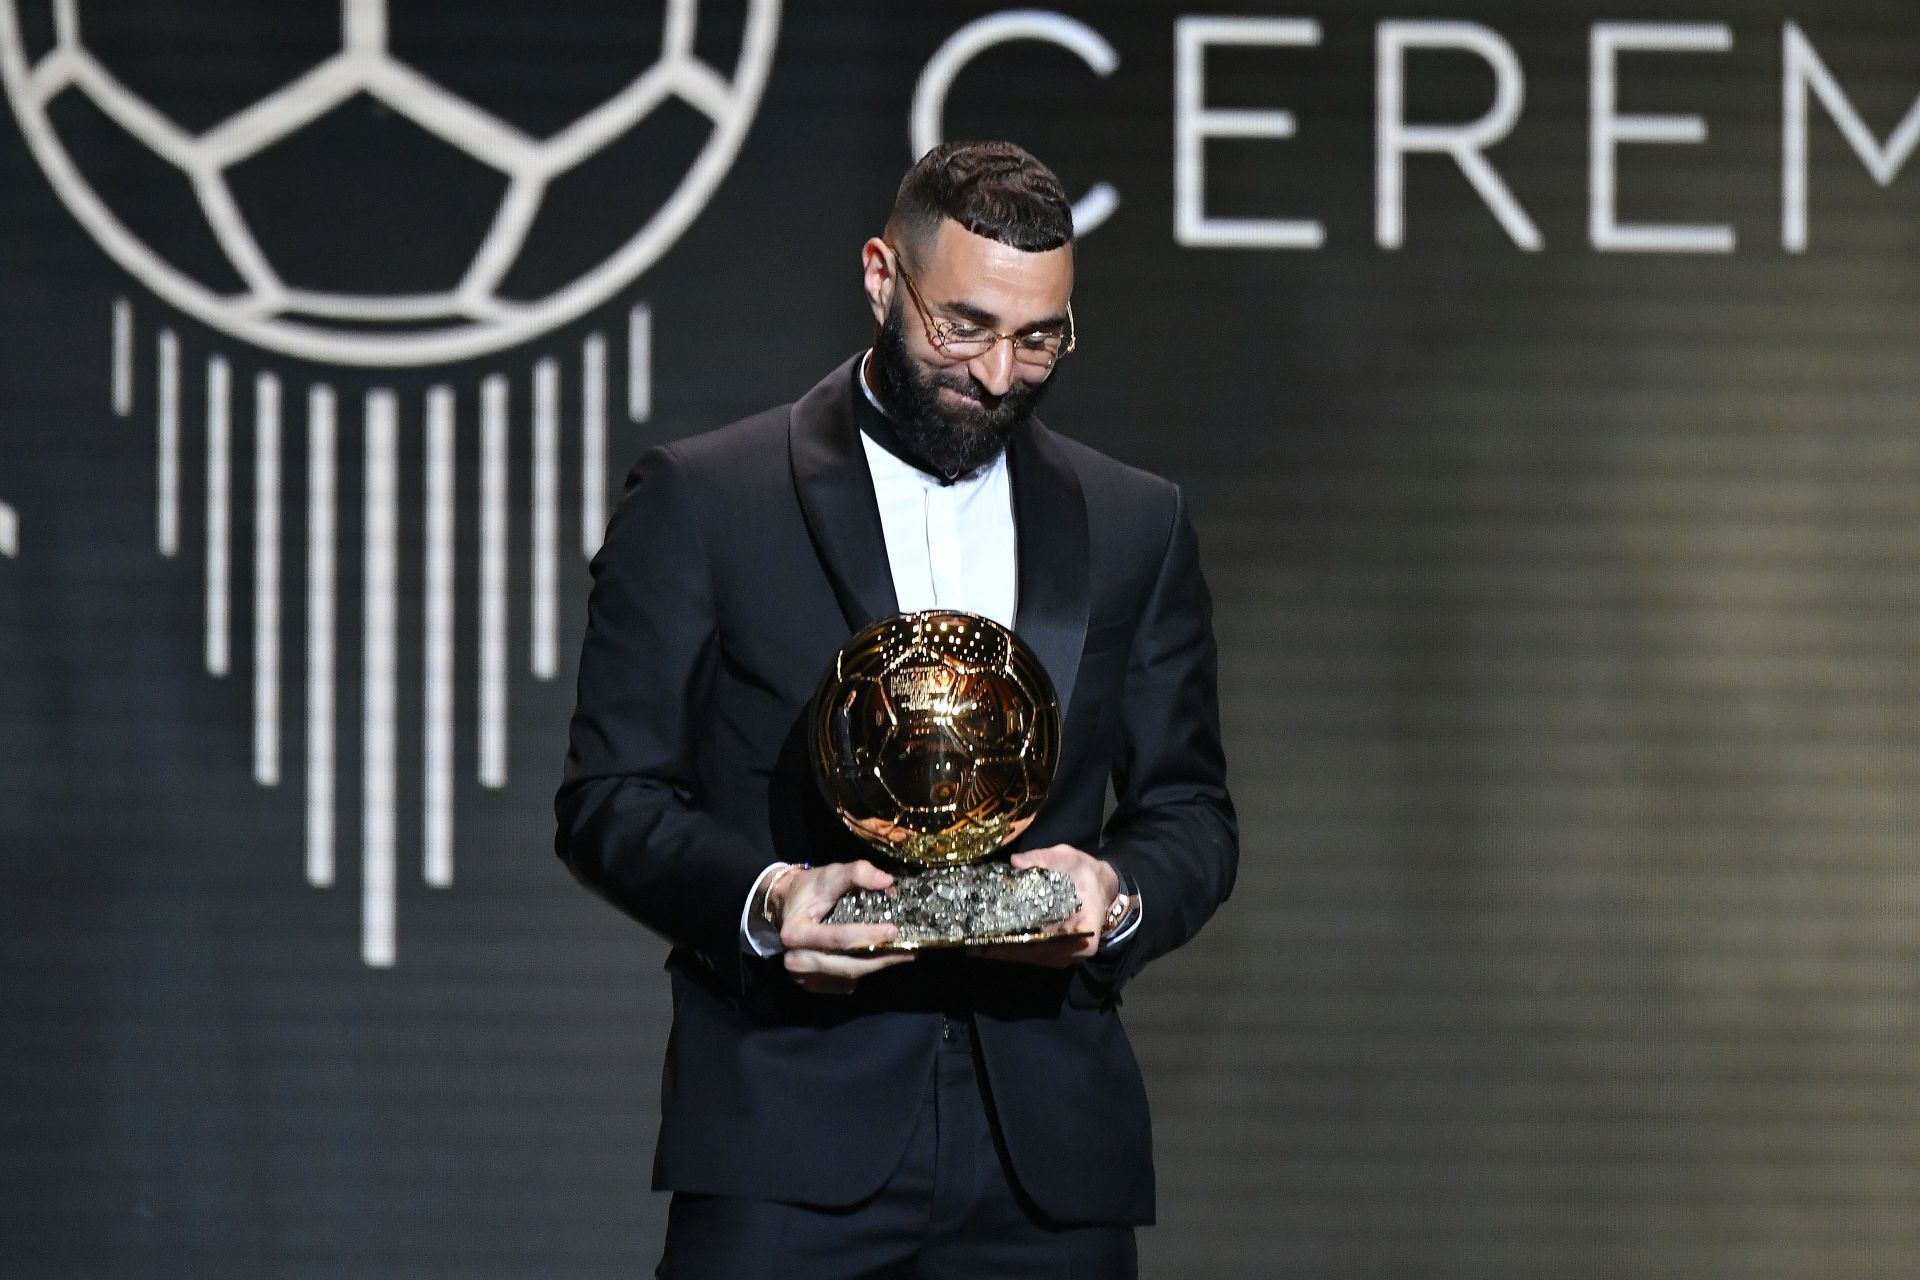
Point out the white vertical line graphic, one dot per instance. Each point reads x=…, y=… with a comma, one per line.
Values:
x=437, y=729
x=640, y=362
x=122, y=357
x=377, y=756
x=266, y=580
x=167, y=444
x=9, y=531
x=544, y=578
x=321, y=499
x=493, y=582
x=66, y=23
x=593, y=443
x=364, y=26
x=219, y=497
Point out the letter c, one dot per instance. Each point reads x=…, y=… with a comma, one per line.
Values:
x=970, y=41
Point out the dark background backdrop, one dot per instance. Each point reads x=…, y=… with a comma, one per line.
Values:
x=1568, y=616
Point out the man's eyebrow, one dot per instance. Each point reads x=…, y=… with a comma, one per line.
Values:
x=989, y=320
x=974, y=315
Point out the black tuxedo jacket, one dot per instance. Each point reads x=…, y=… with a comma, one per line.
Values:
x=734, y=567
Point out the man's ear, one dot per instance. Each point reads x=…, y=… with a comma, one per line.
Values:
x=877, y=276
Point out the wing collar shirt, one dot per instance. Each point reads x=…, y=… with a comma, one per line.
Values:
x=950, y=541
x=951, y=544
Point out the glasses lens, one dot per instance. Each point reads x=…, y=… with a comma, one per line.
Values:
x=965, y=344
x=1038, y=350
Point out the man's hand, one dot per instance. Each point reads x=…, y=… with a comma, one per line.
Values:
x=815, y=954
x=1098, y=885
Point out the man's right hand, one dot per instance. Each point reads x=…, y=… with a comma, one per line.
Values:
x=815, y=952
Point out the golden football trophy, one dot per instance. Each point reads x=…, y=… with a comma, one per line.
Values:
x=935, y=738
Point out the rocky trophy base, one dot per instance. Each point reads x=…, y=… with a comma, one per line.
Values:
x=978, y=904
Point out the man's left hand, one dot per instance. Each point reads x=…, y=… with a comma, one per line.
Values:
x=1097, y=883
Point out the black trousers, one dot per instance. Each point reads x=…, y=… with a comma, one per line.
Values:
x=952, y=1211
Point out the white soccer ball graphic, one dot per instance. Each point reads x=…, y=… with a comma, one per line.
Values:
x=385, y=182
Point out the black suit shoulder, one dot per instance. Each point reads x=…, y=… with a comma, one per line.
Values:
x=1132, y=514
x=724, y=480
x=753, y=448
x=1124, y=477
x=1120, y=486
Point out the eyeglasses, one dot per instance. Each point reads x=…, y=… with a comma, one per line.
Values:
x=1032, y=348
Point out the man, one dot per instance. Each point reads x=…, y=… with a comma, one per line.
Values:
x=832, y=1113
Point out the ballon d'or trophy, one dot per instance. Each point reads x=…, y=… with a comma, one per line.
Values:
x=935, y=737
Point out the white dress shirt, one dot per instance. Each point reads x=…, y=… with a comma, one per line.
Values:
x=950, y=545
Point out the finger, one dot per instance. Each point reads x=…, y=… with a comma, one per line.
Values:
x=810, y=935
x=825, y=984
x=826, y=884
x=867, y=876
x=1060, y=857
x=836, y=965
x=862, y=966
x=815, y=892
x=1049, y=853
x=1063, y=955
x=841, y=962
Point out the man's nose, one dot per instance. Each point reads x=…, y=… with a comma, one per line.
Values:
x=994, y=368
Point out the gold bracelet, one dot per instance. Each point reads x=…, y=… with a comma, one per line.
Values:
x=766, y=898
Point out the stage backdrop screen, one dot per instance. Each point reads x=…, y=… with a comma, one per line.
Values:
x=1542, y=379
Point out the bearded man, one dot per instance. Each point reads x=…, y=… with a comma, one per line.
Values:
x=827, y=1111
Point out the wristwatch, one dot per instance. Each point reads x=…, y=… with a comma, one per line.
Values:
x=1116, y=913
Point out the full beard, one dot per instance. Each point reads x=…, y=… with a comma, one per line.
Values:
x=952, y=439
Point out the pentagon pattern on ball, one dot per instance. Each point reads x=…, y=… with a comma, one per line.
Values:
x=199, y=62
x=586, y=210
x=556, y=148
x=935, y=736
x=925, y=770
x=156, y=200
x=538, y=65
x=998, y=723
x=860, y=724
x=364, y=201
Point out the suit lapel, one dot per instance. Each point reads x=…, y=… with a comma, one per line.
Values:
x=836, y=495
x=1050, y=512
x=835, y=489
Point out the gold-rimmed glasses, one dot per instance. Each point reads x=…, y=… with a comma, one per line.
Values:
x=961, y=340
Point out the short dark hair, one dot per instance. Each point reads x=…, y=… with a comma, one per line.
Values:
x=993, y=189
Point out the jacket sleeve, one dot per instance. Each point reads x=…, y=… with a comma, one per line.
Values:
x=630, y=823
x=1173, y=828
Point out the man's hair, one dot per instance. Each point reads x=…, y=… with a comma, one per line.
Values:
x=993, y=189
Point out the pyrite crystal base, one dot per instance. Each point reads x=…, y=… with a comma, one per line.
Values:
x=980, y=904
